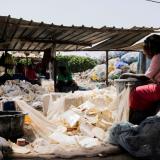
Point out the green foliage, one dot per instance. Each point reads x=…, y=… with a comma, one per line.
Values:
x=77, y=63
x=24, y=61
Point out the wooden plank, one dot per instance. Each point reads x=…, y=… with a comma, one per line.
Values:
x=55, y=41
x=130, y=40
x=25, y=29
x=62, y=46
x=110, y=41
x=102, y=38
x=5, y=28
x=124, y=42
x=24, y=45
x=64, y=34
x=39, y=45
x=76, y=48
x=73, y=35
x=47, y=45
x=84, y=34
x=61, y=27
x=32, y=34
x=43, y=46
x=48, y=33
x=32, y=46
x=69, y=46
x=54, y=65
x=16, y=29
x=89, y=36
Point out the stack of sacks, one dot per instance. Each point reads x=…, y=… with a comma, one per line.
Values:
x=131, y=59
x=119, y=62
x=98, y=73
x=126, y=63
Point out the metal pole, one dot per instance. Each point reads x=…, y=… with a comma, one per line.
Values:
x=107, y=68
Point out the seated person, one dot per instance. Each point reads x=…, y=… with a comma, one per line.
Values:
x=5, y=77
x=65, y=83
x=8, y=75
x=19, y=72
x=143, y=99
x=31, y=75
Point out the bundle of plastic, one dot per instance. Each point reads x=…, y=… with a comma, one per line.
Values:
x=98, y=73
x=115, y=54
x=133, y=67
x=32, y=94
x=130, y=57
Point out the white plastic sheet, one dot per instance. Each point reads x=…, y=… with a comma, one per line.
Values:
x=90, y=127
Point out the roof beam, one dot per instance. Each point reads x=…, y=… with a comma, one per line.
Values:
x=32, y=33
x=83, y=28
x=22, y=35
x=55, y=41
x=44, y=37
x=5, y=28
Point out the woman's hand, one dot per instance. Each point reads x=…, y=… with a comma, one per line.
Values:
x=127, y=75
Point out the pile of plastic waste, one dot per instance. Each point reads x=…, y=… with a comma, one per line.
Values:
x=119, y=62
x=32, y=94
x=75, y=123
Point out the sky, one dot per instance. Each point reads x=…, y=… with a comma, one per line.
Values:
x=96, y=13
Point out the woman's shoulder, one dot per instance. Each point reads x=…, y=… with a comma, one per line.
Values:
x=156, y=55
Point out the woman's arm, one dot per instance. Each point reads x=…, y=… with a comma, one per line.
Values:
x=137, y=76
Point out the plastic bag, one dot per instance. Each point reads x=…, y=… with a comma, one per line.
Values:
x=130, y=57
x=115, y=54
x=133, y=67
x=98, y=73
x=121, y=65
x=39, y=123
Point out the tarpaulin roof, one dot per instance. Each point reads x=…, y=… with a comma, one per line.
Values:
x=23, y=35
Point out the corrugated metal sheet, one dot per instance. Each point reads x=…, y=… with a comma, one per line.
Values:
x=119, y=41
x=22, y=35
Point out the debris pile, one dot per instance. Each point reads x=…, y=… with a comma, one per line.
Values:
x=73, y=122
x=119, y=62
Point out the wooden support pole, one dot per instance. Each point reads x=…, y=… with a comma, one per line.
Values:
x=53, y=64
x=49, y=62
x=107, y=68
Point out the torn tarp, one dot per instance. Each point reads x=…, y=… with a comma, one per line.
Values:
x=139, y=141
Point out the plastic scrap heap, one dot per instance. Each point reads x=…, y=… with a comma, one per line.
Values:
x=75, y=122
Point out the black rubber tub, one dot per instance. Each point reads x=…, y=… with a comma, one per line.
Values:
x=11, y=124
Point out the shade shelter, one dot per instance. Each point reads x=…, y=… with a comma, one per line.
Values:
x=23, y=35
